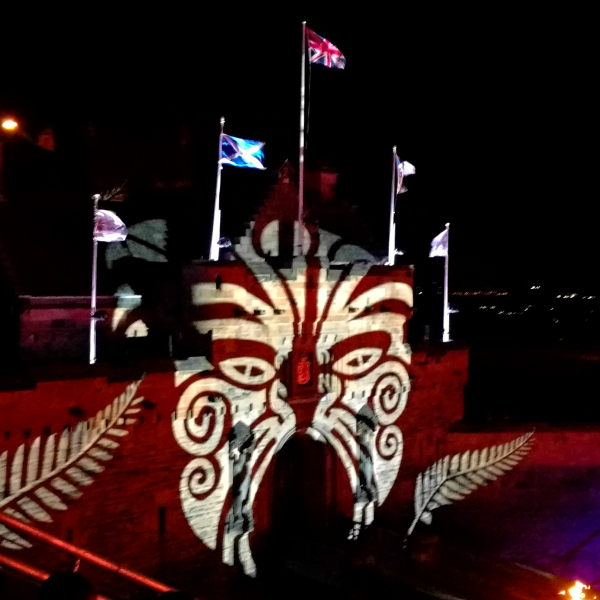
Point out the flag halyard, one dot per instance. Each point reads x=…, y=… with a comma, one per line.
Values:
x=323, y=52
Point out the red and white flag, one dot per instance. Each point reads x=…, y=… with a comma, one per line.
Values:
x=323, y=52
x=108, y=227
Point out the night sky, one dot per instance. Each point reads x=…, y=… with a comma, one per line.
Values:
x=494, y=106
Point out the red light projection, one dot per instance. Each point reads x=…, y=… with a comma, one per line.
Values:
x=303, y=370
x=329, y=335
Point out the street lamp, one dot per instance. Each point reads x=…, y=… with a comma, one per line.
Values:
x=9, y=125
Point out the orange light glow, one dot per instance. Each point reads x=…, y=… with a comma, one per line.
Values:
x=576, y=592
x=9, y=124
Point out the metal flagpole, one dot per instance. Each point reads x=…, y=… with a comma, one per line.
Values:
x=216, y=231
x=392, y=234
x=301, y=155
x=446, y=334
x=95, y=198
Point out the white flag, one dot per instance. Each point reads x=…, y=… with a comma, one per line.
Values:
x=108, y=227
x=407, y=168
x=439, y=245
x=404, y=169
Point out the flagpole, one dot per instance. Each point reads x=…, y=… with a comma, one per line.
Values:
x=95, y=198
x=301, y=155
x=392, y=233
x=214, y=242
x=446, y=334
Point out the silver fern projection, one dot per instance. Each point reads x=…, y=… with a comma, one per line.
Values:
x=45, y=474
x=452, y=478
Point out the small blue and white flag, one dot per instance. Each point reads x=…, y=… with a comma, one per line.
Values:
x=406, y=168
x=439, y=245
x=242, y=153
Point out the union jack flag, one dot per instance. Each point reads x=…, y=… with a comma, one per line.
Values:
x=323, y=52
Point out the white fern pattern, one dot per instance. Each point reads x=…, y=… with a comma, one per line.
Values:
x=36, y=480
x=452, y=478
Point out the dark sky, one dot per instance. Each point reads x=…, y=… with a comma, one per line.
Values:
x=496, y=106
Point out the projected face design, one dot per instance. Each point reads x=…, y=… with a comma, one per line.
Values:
x=335, y=337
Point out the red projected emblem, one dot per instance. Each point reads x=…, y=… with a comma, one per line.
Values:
x=303, y=370
x=308, y=350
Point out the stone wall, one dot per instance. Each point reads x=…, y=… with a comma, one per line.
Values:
x=132, y=511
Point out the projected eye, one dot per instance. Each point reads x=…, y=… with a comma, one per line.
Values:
x=358, y=361
x=247, y=370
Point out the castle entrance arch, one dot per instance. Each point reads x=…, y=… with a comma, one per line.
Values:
x=312, y=499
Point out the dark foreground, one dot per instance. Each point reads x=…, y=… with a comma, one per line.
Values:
x=375, y=567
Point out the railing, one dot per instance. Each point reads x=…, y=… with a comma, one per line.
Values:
x=25, y=569
x=75, y=551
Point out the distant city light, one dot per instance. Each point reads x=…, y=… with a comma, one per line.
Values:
x=9, y=124
x=569, y=296
x=535, y=287
x=480, y=293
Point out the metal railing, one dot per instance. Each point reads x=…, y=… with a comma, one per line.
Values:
x=33, y=572
x=75, y=551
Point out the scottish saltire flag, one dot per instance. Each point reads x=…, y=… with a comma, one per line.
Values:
x=404, y=169
x=242, y=153
x=439, y=245
x=108, y=227
x=323, y=52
